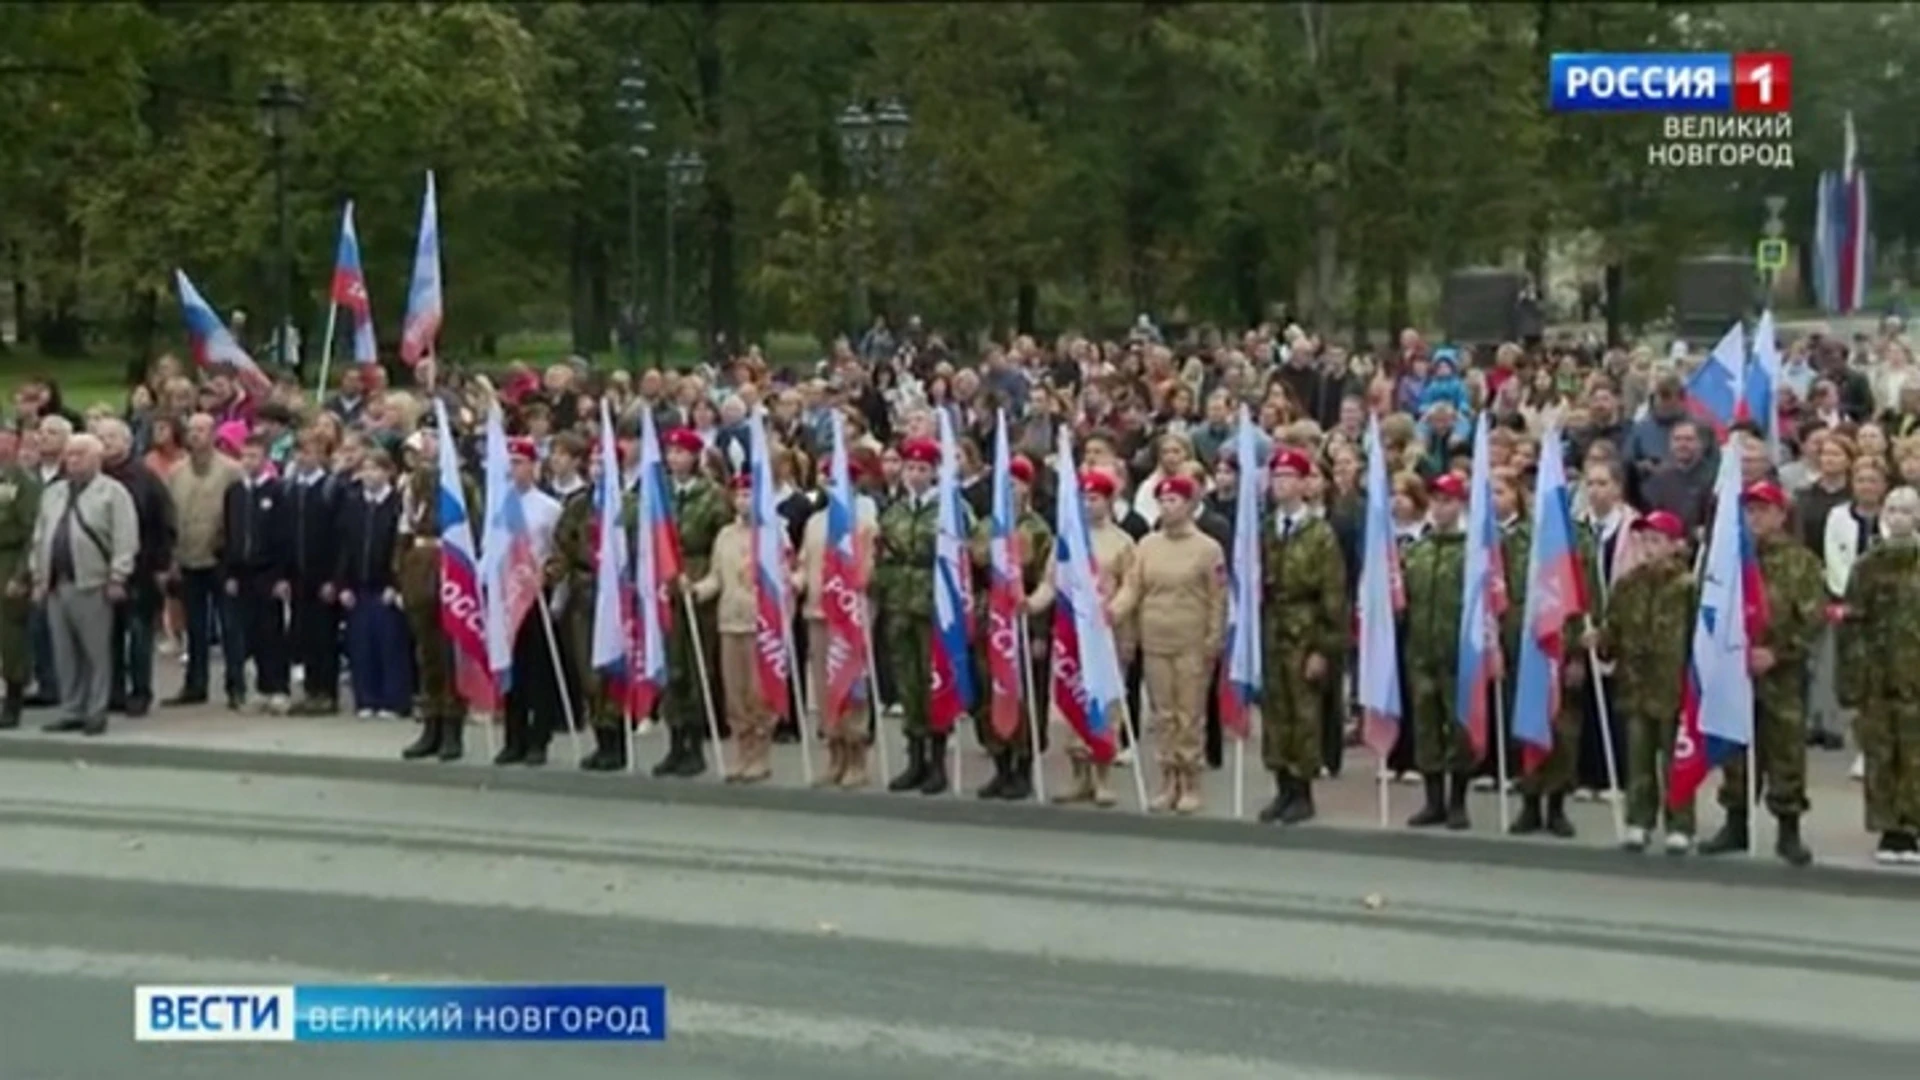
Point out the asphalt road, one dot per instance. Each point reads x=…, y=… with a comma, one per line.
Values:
x=800, y=946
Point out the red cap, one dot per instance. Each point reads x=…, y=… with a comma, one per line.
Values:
x=1765, y=492
x=1666, y=524
x=742, y=481
x=1291, y=461
x=1449, y=486
x=1096, y=482
x=1020, y=469
x=522, y=448
x=1183, y=486
x=684, y=439
x=924, y=451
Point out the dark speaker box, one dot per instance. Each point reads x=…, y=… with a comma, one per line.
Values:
x=1713, y=292
x=1477, y=305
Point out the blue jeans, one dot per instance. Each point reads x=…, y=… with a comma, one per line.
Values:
x=206, y=600
x=380, y=655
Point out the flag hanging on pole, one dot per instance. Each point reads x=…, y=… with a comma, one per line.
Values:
x=844, y=587
x=1854, y=263
x=1556, y=595
x=1716, y=391
x=1240, y=676
x=1763, y=381
x=773, y=611
x=350, y=289
x=953, y=687
x=463, y=612
x=1381, y=598
x=656, y=565
x=1087, y=687
x=213, y=345
x=1004, y=600
x=1483, y=601
x=510, y=573
x=420, y=333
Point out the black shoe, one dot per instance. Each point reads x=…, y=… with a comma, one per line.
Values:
x=1731, y=837
x=1558, y=824
x=786, y=733
x=1530, y=820
x=95, y=728
x=16, y=704
x=1019, y=786
x=41, y=700
x=1301, y=809
x=1788, y=844
x=1283, y=797
x=511, y=754
x=236, y=700
x=186, y=697
x=139, y=705
x=936, y=777
x=693, y=760
x=676, y=749
x=453, y=737
x=118, y=705
x=915, y=774
x=427, y=745
x=1002, y=778
x=604, y=757
x=64, y=726
x=536, y=755
x=1435, y=810
x=1457, y=819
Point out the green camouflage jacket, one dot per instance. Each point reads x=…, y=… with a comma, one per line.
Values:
x=1434, y=570
x=700, y=511
x=1880, y=640
x=19, y=507
x=1647, y=633
x=1303, y=588
x=903, y=566
x=1796, y=601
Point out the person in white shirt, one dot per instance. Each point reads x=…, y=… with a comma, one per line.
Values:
x=533, y=707
x=1851, y=529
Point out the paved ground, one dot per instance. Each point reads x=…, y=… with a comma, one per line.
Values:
x=803, y=946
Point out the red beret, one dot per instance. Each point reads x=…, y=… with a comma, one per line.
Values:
x=1448, y=486
x=684, y=439
x=1020, y=469
x=1765, y=492
x=1095, y=482
x=1291, y=461
x=924, y=451
x=523, y=448
x=1660, y=521
x=1183, y=486
x=742, y=481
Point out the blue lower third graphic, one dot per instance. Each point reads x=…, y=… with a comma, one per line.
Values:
x=400, y=1013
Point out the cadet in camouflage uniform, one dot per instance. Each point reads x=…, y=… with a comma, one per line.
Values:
x=1796, y=602
x=1303, y=581
x=700, y=511
x=903, y=574
x=573, y=567
x=1647, y=633
x=1033, y=549
x=1880, y=676
x=1543, y=789
x=1433, y=570
x=443, y=715
x=19, y=507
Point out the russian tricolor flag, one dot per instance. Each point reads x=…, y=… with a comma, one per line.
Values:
x=1556, y=595
x=1004, y=590
x=1764, y=379
x=1381, y=598
x=953, y=686
x=1483, y=599
x=463, y=611
x=1240, y=676
x=350, y=290
x=510, y=572
x=1716, y=391
x=212, y=343
x=773, y=608
x=1087, y=686
x=420, y=334
x=844, y=587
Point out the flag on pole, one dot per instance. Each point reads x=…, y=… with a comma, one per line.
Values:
x=1854, y=261
x=1763, y=381
x=212, y=343
x=510, y=572
x=1556, y=595
x=420, y=334
x=1381, y=598
x=1732, y=615
x=350, y=289
x=463, y=612
x=953, y=687
x=1240, y=676
x=1716, y=391
x=844, y=587
x=1087, y=686
x=648, y=607
x=773, y=610
x=1483, y=599
x=1004, y=599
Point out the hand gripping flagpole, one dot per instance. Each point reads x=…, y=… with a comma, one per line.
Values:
x=706, y=689
x=1038, y=765
x=559, y=671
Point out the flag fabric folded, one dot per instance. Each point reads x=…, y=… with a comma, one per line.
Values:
x=1483, y=601
x=463, y=611
x=1240, y=676
x=350, y=290
x=1556, y=595
x=1088, y=689
x=1381, y=599
x=953, y=686
x=420, y=333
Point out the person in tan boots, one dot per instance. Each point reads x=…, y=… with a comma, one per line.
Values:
x=845, y=736
x=730, y=580
x=1178, y=585
x=1113, y=554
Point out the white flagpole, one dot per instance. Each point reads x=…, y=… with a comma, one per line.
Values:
x=1139, y=769
x=706, y=690
x=1598, y=688
x=873, y=692
x=633, y=740
x=1038, y=766
x=1380, y=778
x=1239, y=778
x=1753, y=793
x=801, y=703
x=326, y=351
x=1500, y=749
x=559, y=672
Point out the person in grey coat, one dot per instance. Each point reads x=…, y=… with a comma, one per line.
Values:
x=84, y=545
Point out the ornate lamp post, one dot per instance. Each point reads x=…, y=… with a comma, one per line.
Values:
x=686, y=170
x=631, y=101
x=280, y=105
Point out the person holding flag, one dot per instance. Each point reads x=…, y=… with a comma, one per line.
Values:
x=1113, y=554
x=1881, y=666
x=1178, y=586
x=729, y=584
x=836, y=567
x=903, y=571
x=1303, y=618
x=442, y=713
x=531, y=681
x=1013, y=548
x=1434, y=573
x=700, y=511
x=1546, y=720
x=1792, y=584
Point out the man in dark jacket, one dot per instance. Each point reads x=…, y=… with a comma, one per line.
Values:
x=253, y=564
x=312, y=498
x=135, y=617
x=1682, y=485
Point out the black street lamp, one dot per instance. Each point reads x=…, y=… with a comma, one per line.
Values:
x=631, y=101
x=280, y=105
x=891, y=125
x=873, y=145
x=686, y=170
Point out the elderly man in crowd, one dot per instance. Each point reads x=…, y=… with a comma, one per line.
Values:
x=50, y=440
x=135, y=618
x=85, y=543
x=198, y=486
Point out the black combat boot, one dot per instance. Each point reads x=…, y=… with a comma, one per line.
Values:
x=1002, y=776
x=514, y=749
x=1530, y=820
x=935, y=782
x=16, y=704
x=1300, y=810
x=1435, y=810
x=453, y=738
x=1457, y=819
x=693, y=759
x=1019, y=786
x=1731, y=837
x=1558, y=823
x=1788, y=844
x=537, y=749
x=676, y=750
x=1283, y=797
x=428, y=744
x=598, y=760
x=915, y=773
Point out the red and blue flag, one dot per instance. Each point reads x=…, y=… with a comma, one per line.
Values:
x=463, y=611
x=1004, y=600
x=772, y=564
x=1483, y=600
x=1381, y=599
x=1087, y=687
x=1240, y=676
x=953, y=686
x=420, y=333
x=350, y=290
x=214, y=345
x=843, y=588
x=1716, y=391
x=1556, y=595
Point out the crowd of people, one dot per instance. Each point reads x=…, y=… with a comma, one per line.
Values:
x=293, y=533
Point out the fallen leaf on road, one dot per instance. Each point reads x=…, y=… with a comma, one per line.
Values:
x=133, y=843
x=78, y=764
x=1373, y=901
x=829, y=929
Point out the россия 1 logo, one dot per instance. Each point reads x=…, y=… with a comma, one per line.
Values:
x=1723, y=109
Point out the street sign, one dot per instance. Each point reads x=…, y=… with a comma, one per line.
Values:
x=1771, y=256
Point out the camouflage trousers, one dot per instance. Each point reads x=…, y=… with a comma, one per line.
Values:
x=685, y=704
x=1440, y=743
x=1290, y=713
x=1780, y=746
x=436, y=697
x=910, y=650
x=1649, y=749
x=1554, y=775
x=1889, y=737
x=1177, y=693
x=16, y=643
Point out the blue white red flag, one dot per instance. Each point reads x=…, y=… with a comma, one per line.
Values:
x=1381, y=598
x=1004, y=600
x=1240, y=676
x=1855, y=259
x=772, y=566
x=843, y=587
x=510, y=573
x=1732, y=616
x=463, y=611
x=350, y=289
x=645, y=608
x=212, y=343
x=953, y=686
x=1087, y=687
x=1716, y=391
x=1483, y=599
x=1556, y=595
x=420, y=334
x=1763, y=381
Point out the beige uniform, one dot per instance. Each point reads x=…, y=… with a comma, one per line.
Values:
x=1176, y=585
x=729, y=580
x=810, y=581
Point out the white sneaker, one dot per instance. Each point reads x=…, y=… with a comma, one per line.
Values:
x=364, y=714
x=1485, y=783
x=1909, y=858
x=278, y=704
x=1679, y=844
x=1609, y=796
x=1124, y=758
x=1858, y=770
x=1889, y=858
x=646, y=726
x=385, y=714
x=1411, y=779
x=1636, y=839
